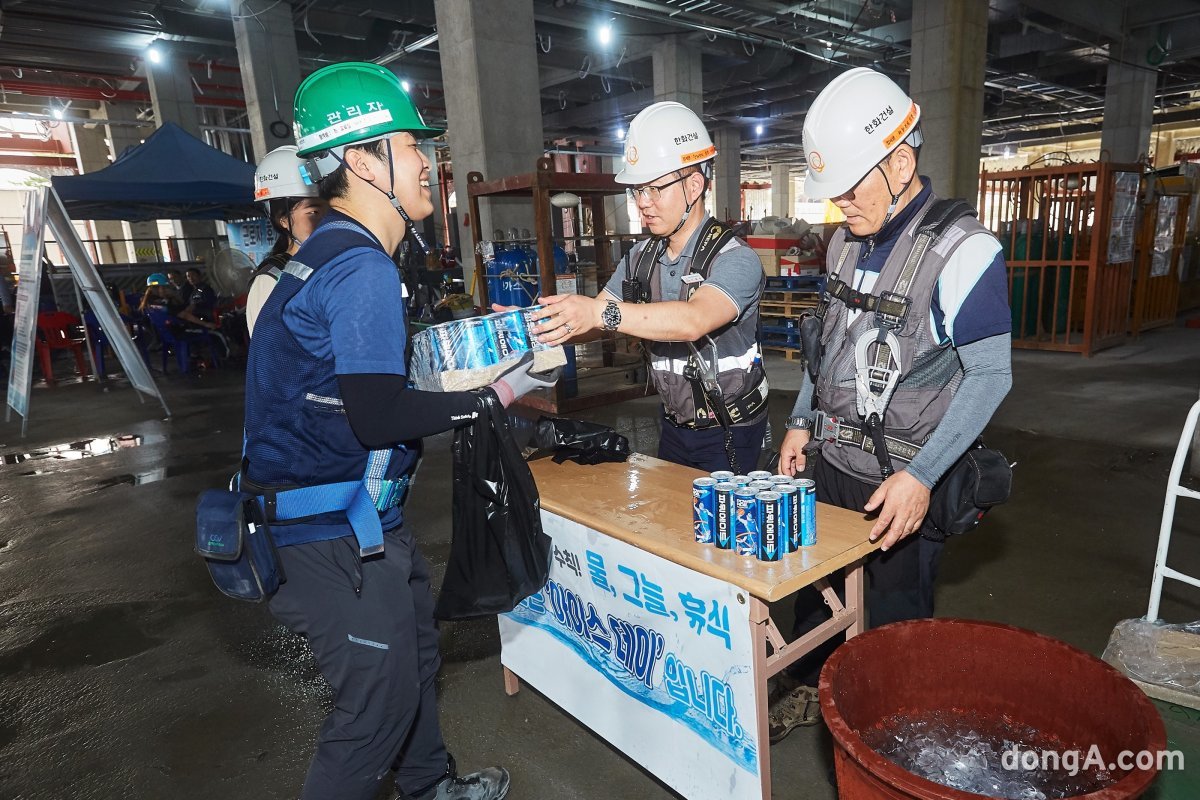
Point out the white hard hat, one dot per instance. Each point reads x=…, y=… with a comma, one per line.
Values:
x=860, y=117
x=278, y=175
x=662, y=138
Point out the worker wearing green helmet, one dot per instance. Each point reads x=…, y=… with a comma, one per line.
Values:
x=356, y=104
x=332, y=424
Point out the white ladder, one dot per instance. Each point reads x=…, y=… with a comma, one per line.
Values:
x=1174, y=490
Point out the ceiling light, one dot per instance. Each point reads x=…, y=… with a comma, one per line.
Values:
x=605, y=33
x=758, y=129
x=405, y=85
x=154, y=54
x=621, y=134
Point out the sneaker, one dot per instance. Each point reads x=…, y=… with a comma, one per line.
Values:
x=798, y=707
x=487, y=784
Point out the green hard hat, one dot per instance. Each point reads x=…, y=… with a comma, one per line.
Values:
x=351, y=102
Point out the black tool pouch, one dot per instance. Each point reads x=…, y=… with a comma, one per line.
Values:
x=810, y=343
x=234, y=541
x=976, y=483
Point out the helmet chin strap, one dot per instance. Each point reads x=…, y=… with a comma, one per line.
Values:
x=891, y=206
x=688, y=208
x=422, y=245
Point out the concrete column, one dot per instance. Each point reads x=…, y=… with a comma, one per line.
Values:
x=948, y=59
x=171, y=89
x=94, y=154
x=677, y=74
x=783, y=202
x=172, y=93
x=142, y=236
x=1128, y=101
x=266, y=47
x=727, y=189
x=490, y=74
x=1164, y=149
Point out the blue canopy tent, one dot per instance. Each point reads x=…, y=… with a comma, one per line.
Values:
x=172, y=175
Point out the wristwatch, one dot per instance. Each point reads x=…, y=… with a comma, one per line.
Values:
x=610, y=317
x=799, y=424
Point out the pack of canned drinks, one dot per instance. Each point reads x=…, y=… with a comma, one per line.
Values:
x=758, y=515
x=469, y=353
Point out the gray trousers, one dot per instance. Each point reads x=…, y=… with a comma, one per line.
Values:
x=370, y=626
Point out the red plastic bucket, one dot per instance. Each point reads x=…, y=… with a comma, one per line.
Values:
x=948, y=665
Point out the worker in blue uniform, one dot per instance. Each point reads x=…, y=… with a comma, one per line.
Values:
x=333, y=435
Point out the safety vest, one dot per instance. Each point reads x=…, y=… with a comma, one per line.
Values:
x=930, y=372
x=740, y=375
x=313, y=478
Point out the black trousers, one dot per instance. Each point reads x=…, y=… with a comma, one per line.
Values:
x=370, y=625
x=705, y=449
x=900, y=582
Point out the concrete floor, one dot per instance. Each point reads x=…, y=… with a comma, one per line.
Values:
x=123, y=674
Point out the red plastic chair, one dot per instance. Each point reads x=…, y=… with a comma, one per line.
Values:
x=58, y=330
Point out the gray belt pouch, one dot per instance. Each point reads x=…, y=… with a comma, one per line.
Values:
x=234, y=541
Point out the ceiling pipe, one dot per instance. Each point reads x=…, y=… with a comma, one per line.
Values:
x=396, y=55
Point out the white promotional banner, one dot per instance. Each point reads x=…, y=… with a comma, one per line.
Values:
x=29, y=281
x=655, y=658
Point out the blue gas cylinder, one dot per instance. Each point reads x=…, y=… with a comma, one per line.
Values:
x=512, y=280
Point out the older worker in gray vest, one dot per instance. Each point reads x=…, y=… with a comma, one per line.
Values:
x=923, y=370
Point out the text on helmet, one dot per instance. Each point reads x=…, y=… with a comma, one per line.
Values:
x=903, y=128
x=876, y=122
x=353, y=111
x=687, y=137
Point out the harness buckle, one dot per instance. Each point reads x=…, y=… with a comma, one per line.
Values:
x=892, y=310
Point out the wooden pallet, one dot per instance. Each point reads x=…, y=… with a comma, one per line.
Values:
x=791, y=353
x=790, y=297
x=785, y=309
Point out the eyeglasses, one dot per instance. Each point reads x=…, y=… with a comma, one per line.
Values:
x=651, y=193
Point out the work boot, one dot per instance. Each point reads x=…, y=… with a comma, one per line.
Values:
x=487, y=784
x=798, y=707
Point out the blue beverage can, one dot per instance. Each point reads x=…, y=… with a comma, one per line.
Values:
x=722, y=476
x=531, y=316
x=723, y=524
x=790, y=515
x=745, y=522
x=761, y=486
x=475, y=345
x=782, y=480
x=508, y=334
x=771, y=533
x=740, y=480
x=759, y=475
x=445, y=353
x=704, y=509
x=808, y=510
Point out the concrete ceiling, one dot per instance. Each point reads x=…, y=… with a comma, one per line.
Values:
x=763, y=61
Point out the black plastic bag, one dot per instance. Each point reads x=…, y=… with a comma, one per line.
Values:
x=499, y=554
x=579, y=441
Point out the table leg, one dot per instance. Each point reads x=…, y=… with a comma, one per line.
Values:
x=512, y=684
x=760, y=630
x=855, y=600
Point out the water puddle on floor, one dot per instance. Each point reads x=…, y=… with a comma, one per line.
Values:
x=85, y=448
x=203, y=463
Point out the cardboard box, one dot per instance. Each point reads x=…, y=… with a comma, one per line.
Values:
x=790, y=266
x=771, y=242
x=770, y=260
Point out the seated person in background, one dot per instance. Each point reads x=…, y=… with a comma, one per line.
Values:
x=160, y=293
x=181, y=287
x=201, y=302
